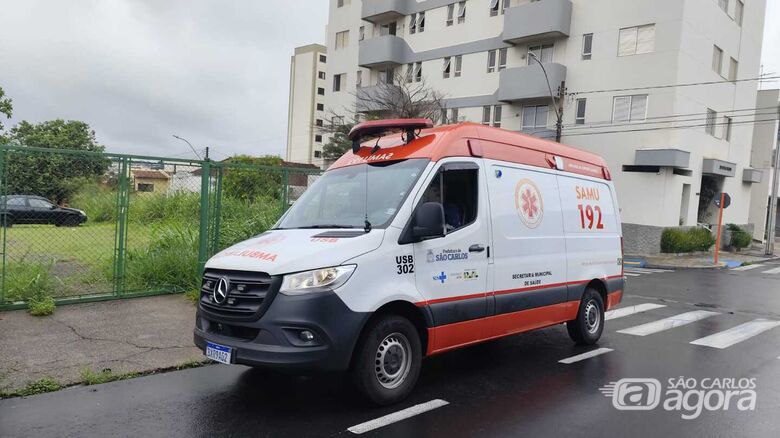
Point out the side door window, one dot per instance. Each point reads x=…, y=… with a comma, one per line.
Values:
x=451, y=271
x=41, y=211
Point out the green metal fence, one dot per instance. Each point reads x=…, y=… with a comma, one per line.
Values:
x=85, y=226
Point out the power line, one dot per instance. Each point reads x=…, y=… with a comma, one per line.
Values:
x=695, y=119
x=658, y=128
x=690, y=84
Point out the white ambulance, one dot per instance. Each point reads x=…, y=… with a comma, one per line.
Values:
x=415, y=243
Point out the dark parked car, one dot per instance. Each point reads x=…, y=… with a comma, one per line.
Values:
x=29, y=209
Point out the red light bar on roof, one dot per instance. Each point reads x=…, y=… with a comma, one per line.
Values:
x=380, y=127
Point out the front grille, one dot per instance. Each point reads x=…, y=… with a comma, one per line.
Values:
x=249, y=295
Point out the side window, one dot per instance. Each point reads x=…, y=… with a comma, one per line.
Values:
x=16, y=202
x=456, y=190
x=39, y=203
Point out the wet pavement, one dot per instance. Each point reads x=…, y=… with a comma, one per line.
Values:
x=510, y=387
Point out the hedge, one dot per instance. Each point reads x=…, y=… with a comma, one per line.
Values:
x=739, y=237
x=678, y=240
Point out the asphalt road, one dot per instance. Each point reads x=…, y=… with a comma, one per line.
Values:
x=511, y=387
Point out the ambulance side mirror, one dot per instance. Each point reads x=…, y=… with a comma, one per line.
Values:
x=428, y=221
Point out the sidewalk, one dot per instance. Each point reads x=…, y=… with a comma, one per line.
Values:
x=134, y=335
x=698, y=261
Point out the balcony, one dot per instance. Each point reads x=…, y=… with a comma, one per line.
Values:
x=537, y=20
x=527, y=82
x=383, y=50
x=377, y=11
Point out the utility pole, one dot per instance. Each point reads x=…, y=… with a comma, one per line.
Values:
x=772, y=222
x=561, y=93
x=207, y=152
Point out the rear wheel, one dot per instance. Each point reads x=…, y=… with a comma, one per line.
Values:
x=387, y=360
x=589, y=325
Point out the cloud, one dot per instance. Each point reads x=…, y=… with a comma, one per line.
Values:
x=213, y=72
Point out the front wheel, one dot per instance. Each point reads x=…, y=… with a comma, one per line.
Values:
x=388, y=360
x=587, y=328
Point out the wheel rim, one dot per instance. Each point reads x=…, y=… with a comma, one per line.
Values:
x=393, y=360
x=592, y=317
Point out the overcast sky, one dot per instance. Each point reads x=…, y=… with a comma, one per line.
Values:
x=215, y=72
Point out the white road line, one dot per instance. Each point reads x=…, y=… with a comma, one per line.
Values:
x=747, y=267
x=772, y=271
x=647, y=270
x=625, y=311
x=737, y=334
x=397, y=416
x=583, y=356
x=668, y=323
x=631, y=275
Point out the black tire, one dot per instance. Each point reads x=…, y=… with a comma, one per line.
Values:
x=587, y=328
x=387, y=360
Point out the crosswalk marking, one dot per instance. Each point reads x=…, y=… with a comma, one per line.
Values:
x=397, y=416
x=583, y=356
x=668, y=323
x=625, y=311
x=772, y=271
x=747, y=267
x=737, y=334
x=647, y=270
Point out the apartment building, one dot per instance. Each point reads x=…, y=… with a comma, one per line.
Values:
x=766, y=137
x=623, y=68
x=306, y=108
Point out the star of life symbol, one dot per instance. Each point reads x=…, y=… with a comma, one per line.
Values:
x=529, y=204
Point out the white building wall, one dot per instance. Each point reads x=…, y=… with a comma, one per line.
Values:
x=765, y=140
x=303, y=141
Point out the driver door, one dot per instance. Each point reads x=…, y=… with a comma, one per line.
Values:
x=452, y=271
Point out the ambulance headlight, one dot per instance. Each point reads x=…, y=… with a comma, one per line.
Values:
x=316, y=280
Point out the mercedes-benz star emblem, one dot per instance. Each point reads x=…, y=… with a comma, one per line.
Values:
x=222, y=290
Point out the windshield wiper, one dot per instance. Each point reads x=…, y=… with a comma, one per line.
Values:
x=328, y=226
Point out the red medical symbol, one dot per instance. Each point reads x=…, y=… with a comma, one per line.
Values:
x=530, y=205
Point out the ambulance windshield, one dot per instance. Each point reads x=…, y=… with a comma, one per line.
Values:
x=347, y=197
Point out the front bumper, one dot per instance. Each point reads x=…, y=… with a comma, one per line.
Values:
x=273, y=341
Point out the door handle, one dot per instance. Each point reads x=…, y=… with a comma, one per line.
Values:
x=476, y=248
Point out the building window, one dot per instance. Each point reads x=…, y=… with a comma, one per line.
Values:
x=733, y=68
x=320, y=91
x=636, y=40
x=502, y=58
x=145, y=187
x=421, y=22
x=543, y=52
x=727, y=128
x=709, y=126
x=359, y=78
x=462, y=12
x=739, y=10
x=717, y=59
x=318, y=138
x=724, y=4
x=342, y=39
x=629, y=108
x=486, y=115
x=458, y=64
x=320, y=107
x=418, y=72
x=535, y=117
x=321, y=74
x=388, y=29
x=342, y=3
x=450, y=13
x=386, y=75
x=413, y=23
x=587, y=45
x=409, y=72
x=323, y=58
x=447, y=67
x=497, y=116
x=338, y=81
x=579, y=116
x=454, y=115
x=494, y=8
x=491, y=61
x=317, y=154
x=318, y=122
x=361, y=33
x=444, y=116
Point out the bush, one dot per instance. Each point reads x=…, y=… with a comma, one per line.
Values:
x=26, y=279
x=41, y=305
x=739, y=237
x=678, y=240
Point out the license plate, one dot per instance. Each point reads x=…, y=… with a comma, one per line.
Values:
x=217, y=352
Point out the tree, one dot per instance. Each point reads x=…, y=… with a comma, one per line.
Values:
x=403, y=98
x=247, y=183
x=6, y=108
x=52, y=175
